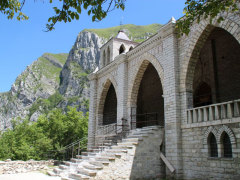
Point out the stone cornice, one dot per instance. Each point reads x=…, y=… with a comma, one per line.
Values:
x=92, y=76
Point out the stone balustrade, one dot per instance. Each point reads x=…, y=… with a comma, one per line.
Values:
x=107, y=129
x=226, y=110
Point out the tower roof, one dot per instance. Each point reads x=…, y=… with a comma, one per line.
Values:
x=122, y=35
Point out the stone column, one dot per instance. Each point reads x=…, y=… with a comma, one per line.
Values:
x=92, y=110
x=122, y=80
x=173, y=144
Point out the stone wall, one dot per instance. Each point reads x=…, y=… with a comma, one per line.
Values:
x=141, y=162
x=196, y=161
x=12, y=167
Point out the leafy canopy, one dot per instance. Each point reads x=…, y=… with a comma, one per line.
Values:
x=98, y=9
x=195, y=10
x=35, y=140
x=69, y=10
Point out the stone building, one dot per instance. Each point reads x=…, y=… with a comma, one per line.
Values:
x=188, y=85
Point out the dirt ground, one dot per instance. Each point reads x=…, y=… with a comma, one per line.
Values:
x=28, y=176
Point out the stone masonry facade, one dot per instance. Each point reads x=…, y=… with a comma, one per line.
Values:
x=186, y=127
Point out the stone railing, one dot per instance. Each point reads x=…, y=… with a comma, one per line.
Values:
x=109, y=129
x=226, y=110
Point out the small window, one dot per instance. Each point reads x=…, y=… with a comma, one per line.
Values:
x=131, y=48
x=104, y=58
x=227, y=146
x=108, y=56
x=122, y=49
x=213, y=150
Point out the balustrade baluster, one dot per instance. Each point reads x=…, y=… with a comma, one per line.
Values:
x=205, y=114
x=194, y=116
x=200, y=116
x=236, y=109
x=230, y=110
x=189, y=114
x=217, y=112
x=211, y=113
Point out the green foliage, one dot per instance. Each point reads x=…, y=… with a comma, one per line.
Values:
x=71, y=9
x=61, y=57
x=137, y=33
x=12, y=8
x=195, y=10
x=68, y=10
x=52, y=131
x=45, y=105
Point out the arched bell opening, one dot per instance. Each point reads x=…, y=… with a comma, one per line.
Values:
x=122, y=49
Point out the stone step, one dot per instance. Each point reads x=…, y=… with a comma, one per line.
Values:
x=117, y=155
x=132, y=140
x=92, y=167
x=129, y=143
x=123, y=147
x=51, y=173
x=67, y=178
x=79, y=176
x=138, y=135
x=104, y=158
x=99, y=163
x=86, y=172
x=63, y=167
x=116, y=151
x=74, y=160
x=57, y=171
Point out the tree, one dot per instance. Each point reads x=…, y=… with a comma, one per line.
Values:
x=195, y=10
x=98, y=9
x=69, y=10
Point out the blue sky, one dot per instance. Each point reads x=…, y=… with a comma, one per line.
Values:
x=23, y=42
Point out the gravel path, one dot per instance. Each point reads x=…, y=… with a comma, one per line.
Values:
x=28, y=176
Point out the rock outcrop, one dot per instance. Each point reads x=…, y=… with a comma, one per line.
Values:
x=63, y=73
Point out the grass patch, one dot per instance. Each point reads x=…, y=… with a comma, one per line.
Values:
x=136, y=33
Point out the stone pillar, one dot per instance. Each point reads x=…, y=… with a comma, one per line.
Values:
x=92, y=110
x=173, y=144
x=122, y=80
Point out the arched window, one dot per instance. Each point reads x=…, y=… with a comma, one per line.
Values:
x=212, y=143
x=202, y=95
x=131, y=48
x=122, y=49
x=104, y=58
x=108, y=55
x=226, y=145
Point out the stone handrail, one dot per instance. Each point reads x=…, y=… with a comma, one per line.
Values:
x=107, y=129
x=226, y=110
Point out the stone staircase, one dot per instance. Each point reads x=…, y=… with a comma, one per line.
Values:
x=100, y=162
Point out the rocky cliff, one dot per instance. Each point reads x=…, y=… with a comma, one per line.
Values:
x=62, y=76
x=39, y=80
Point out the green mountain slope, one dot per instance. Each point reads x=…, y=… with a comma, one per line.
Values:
x=136, y=33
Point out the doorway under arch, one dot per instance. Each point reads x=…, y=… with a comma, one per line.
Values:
x=216, y=76
x=150, y=103
x=110, y=107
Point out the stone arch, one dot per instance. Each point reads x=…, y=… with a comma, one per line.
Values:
x=143, y=62
x=209, y=130
x=228, y=131
x=131, y=48
x=197, y=40
x=122, y=49
x=105, y=87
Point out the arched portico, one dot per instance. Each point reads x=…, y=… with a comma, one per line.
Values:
x=194, y=55
x=146, y=102
x=107, y=103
